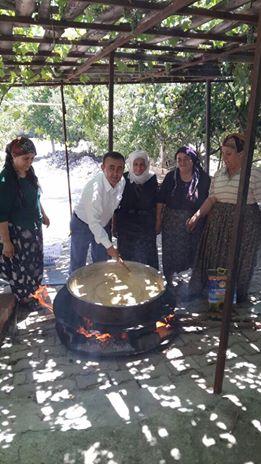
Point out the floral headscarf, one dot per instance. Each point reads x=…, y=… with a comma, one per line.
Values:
x=147, y=174
x=235, y=141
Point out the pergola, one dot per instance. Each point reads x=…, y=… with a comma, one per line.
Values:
x=138, y=41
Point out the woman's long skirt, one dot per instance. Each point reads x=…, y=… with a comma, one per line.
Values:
x=216, y=242
x=179, y=246
x=139, y=247
x=24, y=271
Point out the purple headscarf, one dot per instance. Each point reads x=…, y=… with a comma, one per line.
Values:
x=192, y=191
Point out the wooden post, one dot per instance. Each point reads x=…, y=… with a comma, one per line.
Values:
x=111, y=92
x=253, y=109
x=208, y=124
x=65, y=148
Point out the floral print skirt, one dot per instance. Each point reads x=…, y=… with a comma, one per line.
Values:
x=215, y=246
x=24, y=271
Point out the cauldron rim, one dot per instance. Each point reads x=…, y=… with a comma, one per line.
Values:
x=117, y=307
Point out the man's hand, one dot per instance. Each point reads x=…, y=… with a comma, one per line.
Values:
x=113, y=253
x=8, y=249
x=158, y=227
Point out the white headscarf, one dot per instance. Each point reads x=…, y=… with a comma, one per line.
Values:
x=147, y=174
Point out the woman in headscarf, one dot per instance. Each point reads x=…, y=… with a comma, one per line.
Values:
x=182, y=192
x=135, y=219
x=220, y=207
x=21, y=218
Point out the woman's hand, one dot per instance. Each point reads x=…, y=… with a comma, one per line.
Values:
x=45, y=220
x=8, y=249
x=192, y=222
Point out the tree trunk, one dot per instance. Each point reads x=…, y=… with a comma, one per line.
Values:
x=53, y=146
x=162, y=156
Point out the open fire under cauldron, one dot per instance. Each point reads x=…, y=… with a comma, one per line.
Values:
x=97, y=316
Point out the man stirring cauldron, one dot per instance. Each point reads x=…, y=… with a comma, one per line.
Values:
x=90, y=223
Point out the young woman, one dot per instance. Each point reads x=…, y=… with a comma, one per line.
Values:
x=21, y=218
x=135, y=219
x=220, y=207
x=182, y=192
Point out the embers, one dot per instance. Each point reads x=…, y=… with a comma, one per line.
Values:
x=96, y=339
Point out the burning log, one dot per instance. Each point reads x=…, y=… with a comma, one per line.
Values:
x=42, y=296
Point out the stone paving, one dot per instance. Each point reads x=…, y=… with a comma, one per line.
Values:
x=59, y=408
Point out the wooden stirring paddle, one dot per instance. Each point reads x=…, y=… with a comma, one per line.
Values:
x=124, y=264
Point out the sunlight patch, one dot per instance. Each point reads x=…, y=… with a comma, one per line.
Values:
x=163, y=433
x=208, y=441
x=148, y=435
x=175, y=453
x=94, y=455
x=119, y=405
x=257, y=424
x=230, y=439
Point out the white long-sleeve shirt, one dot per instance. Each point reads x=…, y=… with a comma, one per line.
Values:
x=97, y=205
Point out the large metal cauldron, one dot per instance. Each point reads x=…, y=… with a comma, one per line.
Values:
x=120, y=314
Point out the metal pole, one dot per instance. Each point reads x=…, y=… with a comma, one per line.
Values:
x=208, y=124
x=111, y=92
x=65, y=148
x=253, y=109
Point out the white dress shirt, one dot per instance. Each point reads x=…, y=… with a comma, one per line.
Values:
x=97, y=205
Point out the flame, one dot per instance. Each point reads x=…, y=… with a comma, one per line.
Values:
x=41, y=295
x=167, y=321
x=94, y=334
x=89, y=332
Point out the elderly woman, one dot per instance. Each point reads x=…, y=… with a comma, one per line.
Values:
x=220, y=207
x=21, y=218
x=135, y=219
x=182, y=192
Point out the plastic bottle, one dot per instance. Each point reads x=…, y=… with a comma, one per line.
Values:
x=217, y=282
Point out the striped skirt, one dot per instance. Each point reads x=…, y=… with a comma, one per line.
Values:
x=24, y=271
x=216, y=242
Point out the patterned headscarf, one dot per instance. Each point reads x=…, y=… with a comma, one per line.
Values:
x=147, y=174
x=21, y=146
x=238, y=139
x=192, y=191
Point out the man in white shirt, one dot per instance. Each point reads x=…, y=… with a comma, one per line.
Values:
x=90, y=224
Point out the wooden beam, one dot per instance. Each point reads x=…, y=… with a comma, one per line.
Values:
x=120, y=81
x=104, y=43
x=253, y=110
x=65, y=139
x=125, y=28
x=52, y=40
x=189, y=11
x=208, y=125
x=222, y=56
x=218, y=14
x=111, y=101
x=132, y=4
x=147, y=23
